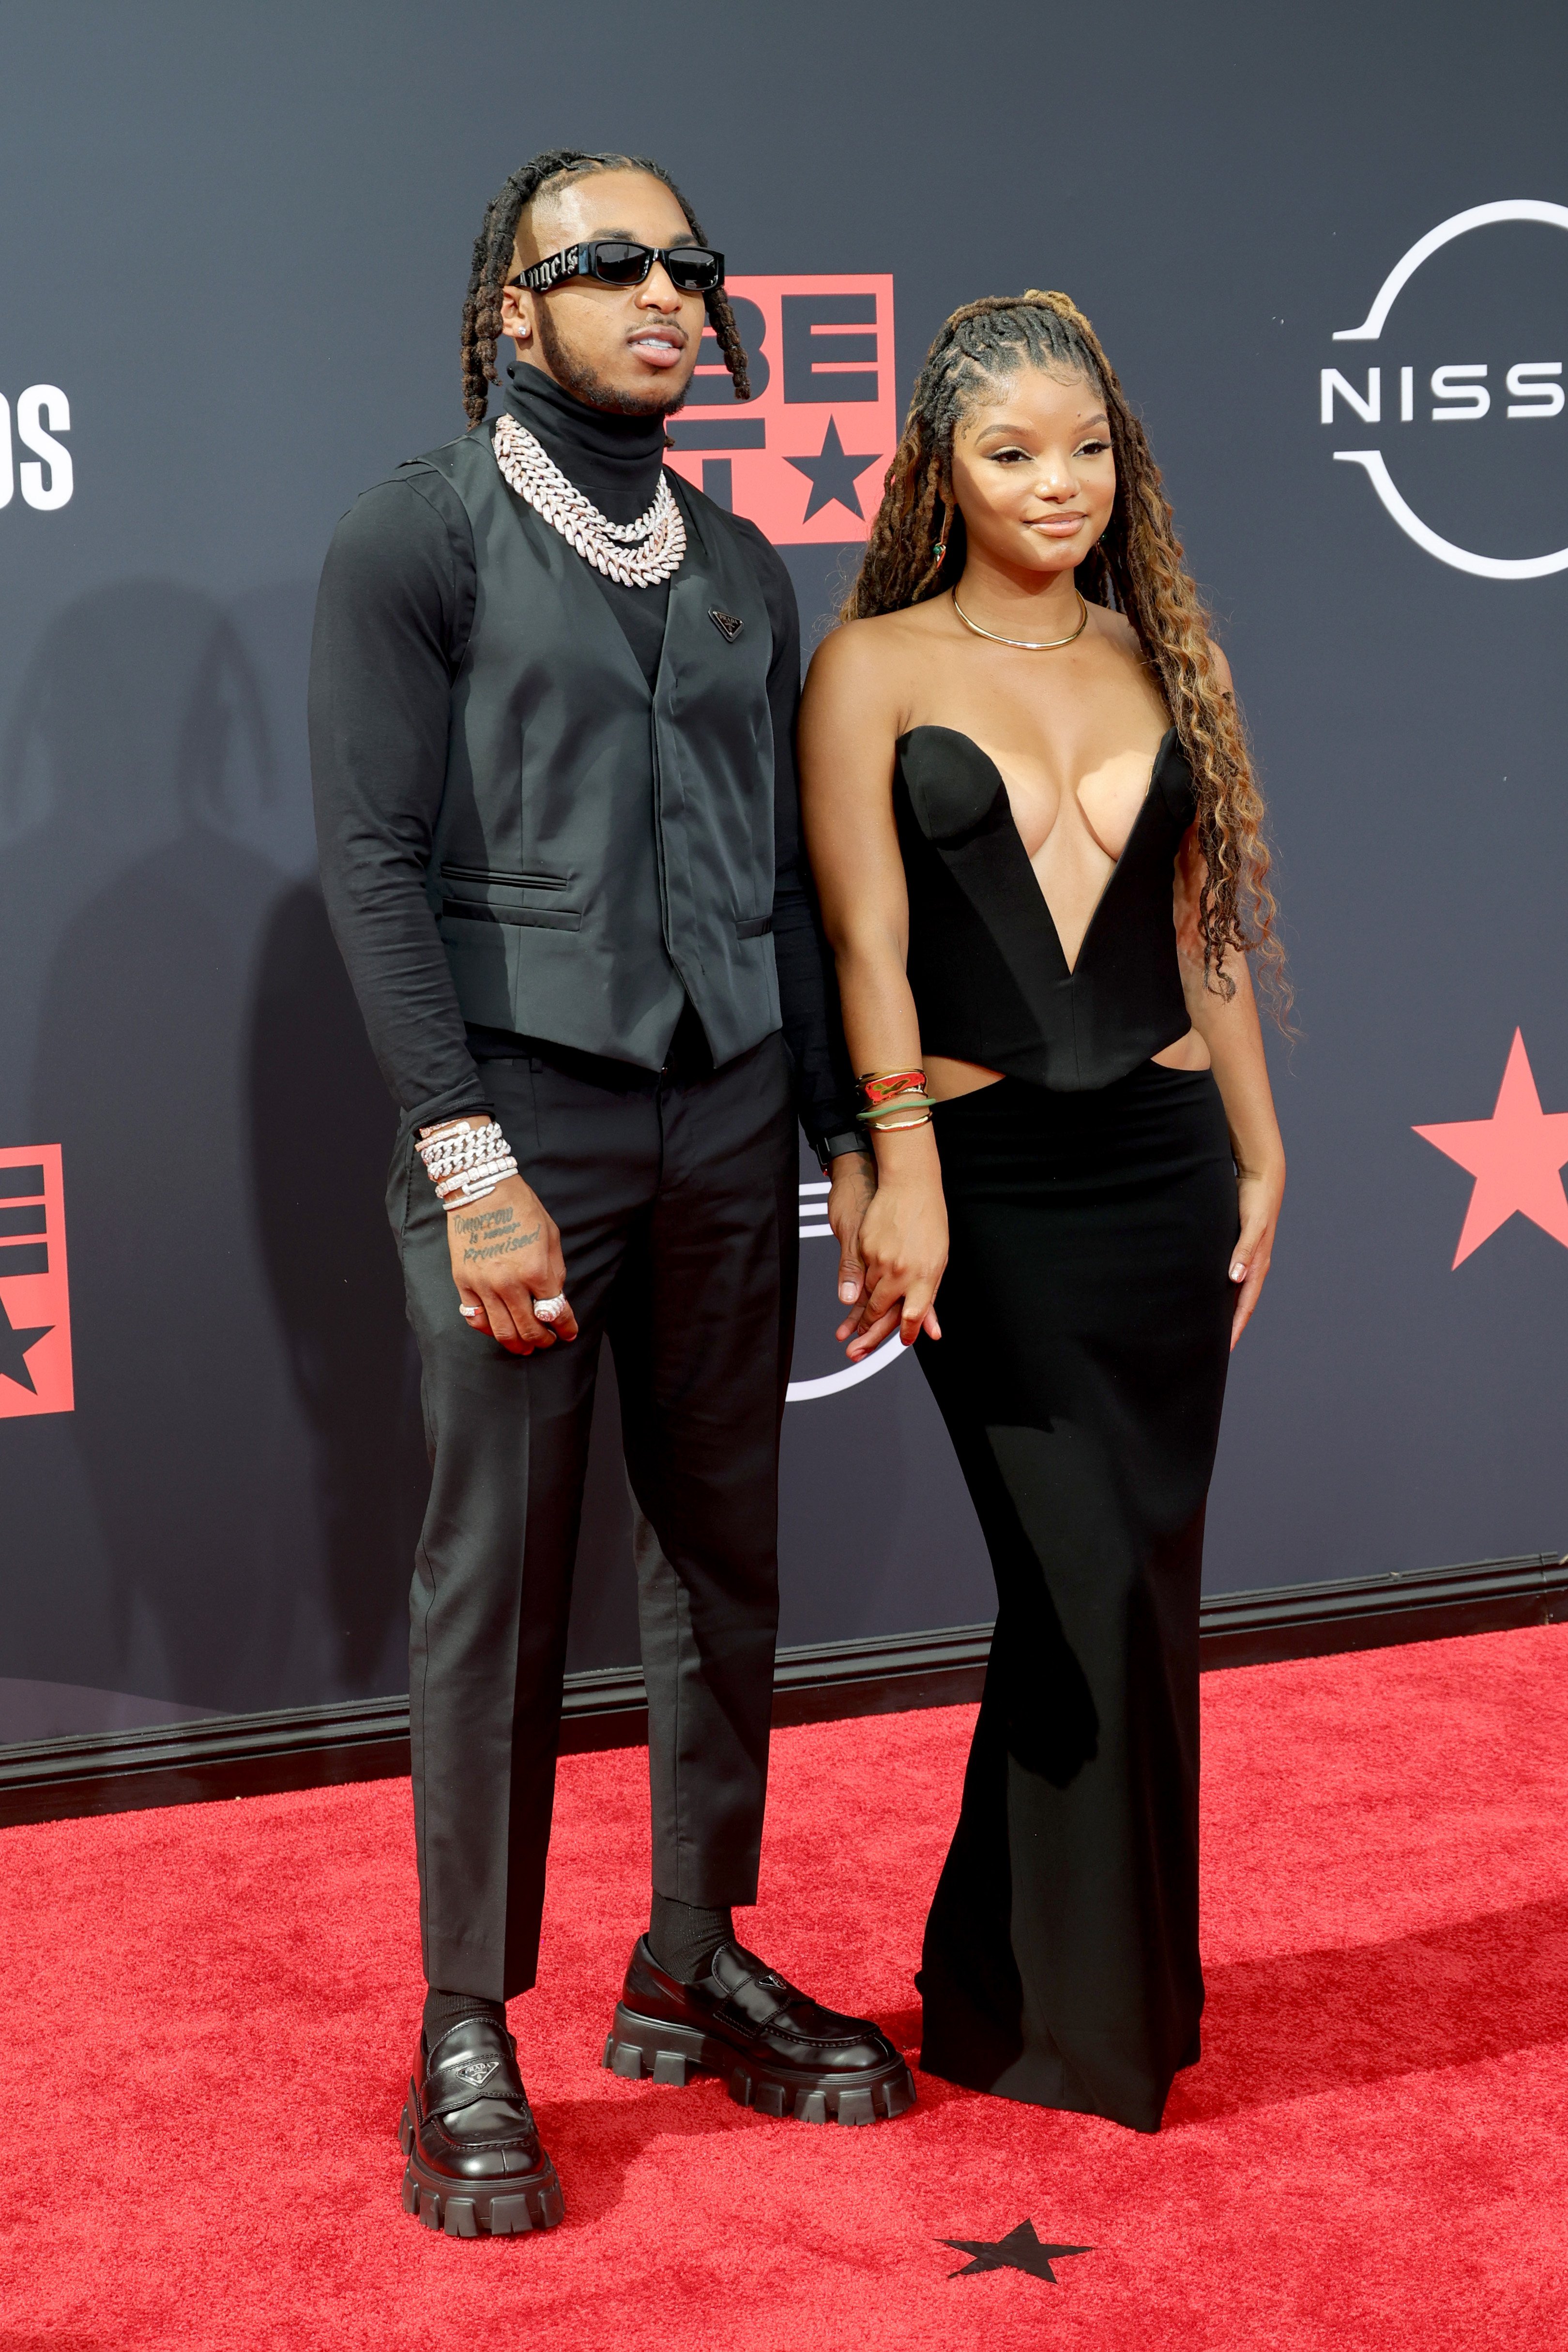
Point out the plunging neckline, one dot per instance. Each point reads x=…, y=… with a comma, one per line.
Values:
x=1166, y=740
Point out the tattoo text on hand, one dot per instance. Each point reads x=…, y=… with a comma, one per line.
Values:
x=503, y=1247
x=492, y=1233
x=485, y=1220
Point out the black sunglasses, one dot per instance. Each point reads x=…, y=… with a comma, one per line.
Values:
x=693, y=268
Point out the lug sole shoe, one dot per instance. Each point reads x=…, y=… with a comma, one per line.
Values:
x=475, y=2168
x=776, y=2050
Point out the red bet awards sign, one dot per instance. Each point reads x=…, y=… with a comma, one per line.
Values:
x=35, y=1300
x=804, y=458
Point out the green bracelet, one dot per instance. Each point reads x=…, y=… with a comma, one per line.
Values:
x=897, y=1103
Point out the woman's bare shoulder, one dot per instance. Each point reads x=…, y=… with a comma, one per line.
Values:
x=1114, y=629
x=1117, y=630
x=877, y=647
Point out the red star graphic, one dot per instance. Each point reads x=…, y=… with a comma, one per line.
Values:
x=1514, y=1157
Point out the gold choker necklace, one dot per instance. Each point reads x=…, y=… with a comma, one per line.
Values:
x=1024, y=644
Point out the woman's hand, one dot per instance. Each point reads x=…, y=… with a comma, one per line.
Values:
x=1258, y=1198
x=903, y=1245
x=851, y=1194
x=1228, y=1027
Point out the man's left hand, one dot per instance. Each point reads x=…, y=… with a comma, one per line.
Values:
x=853, y=1188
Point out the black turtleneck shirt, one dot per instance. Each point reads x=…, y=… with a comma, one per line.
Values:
x=393, y=618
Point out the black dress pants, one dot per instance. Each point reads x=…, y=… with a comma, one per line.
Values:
x=677, y=1202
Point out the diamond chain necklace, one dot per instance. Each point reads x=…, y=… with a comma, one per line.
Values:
x=635, y=554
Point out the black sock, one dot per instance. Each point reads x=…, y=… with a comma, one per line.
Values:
x=684, y=1936
x=445, y=2009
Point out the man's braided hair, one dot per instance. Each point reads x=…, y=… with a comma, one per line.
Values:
x=915, y=552
x=493, y=250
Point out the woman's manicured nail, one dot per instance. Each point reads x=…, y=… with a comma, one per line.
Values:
x=848, y=1292
x=1238, y=1272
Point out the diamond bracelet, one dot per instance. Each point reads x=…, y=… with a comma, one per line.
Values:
x=466, y=1163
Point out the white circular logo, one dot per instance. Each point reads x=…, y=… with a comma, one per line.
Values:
x=799, y=1392
x=1459, y=389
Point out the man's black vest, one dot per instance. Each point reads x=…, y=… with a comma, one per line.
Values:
x=601, y=854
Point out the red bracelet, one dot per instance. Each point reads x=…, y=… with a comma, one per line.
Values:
x=878, y=1086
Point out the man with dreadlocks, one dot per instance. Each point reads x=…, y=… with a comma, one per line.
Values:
x=1036, y=838
x=553, y=701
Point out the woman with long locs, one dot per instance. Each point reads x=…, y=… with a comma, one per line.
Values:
x=1036, y=838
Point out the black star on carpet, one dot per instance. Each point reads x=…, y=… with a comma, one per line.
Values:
x=14, y=1346
x=1020, y=2250
x=833, y=475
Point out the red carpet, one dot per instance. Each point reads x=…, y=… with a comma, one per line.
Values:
x=210, y=2007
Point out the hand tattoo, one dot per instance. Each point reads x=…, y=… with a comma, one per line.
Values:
x=485, y=1220
x=501, y=1248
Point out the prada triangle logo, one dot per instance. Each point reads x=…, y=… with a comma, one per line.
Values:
x=478, y=2071
x=726, y=624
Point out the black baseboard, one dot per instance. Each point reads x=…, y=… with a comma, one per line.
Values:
x=367, y=1739
x=1375, y=1612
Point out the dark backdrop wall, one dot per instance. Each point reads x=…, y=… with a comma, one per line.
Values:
x=236, y=244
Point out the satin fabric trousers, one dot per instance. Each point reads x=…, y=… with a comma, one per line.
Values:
x=677, y=1205
x=1085, y=1315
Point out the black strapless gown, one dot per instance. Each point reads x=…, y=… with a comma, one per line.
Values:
x=1086, y=1317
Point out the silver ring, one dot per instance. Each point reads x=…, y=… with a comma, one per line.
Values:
x=547, y=1309
x=468, y=1310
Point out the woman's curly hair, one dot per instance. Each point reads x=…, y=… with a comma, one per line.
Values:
x=916, y=548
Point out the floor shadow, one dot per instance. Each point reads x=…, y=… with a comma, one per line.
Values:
x=903, y=2026
x=595, y=2142
x=598, y=2139
x=1302, y=2023
x=1291, y=2026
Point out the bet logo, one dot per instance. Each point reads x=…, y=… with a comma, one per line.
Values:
x=1469, y=332
x=34, y=1291
x=804, y=458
